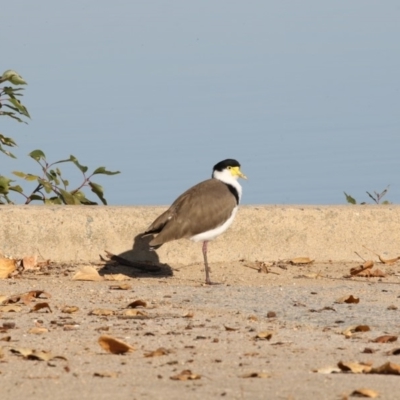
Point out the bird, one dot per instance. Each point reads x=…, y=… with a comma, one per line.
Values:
x=203, y=212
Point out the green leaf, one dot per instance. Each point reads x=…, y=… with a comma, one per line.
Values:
x=47, y=185
x=53, y=200
x=6, y=152
x=4, y=184
x=350, y=199
x=98, y=190
x=36, y=197
x=16, y=188
x=7, y=141
x=21, y=108
x=69, y=198
x=37, y=155
x=102, y=170
x=13, y=77
x=13, y=116
x=19, y=174
x=76, y=162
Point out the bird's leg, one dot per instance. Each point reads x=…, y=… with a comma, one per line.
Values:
x=206, y=267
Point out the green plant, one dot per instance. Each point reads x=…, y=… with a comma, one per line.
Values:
x=50, y=185
x=376, y=197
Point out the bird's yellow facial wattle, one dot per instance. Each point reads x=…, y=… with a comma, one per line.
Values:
x=235, y=171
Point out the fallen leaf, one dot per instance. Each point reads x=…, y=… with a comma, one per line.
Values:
x=394, y=352
x=301, y=260
x=256, y=375
x=348, y=299
x=106, y=374
x=229, y=329
x=31, y=354
x=137, y=303
x=10, y=308
x=388, y=261
x=121, y=286
x=41, y=306
x=133, y=312
x=5, y=338
x=87, y=273
x=354, y=367
x=190, y=314
x=266, y=335
x=7, y=267
x=69, y=309
x=29, y=262
x=327, y=370
x=185, y=375
x=113, y=345
x=116, y=277
x=156, y=353
x=365, y=393
x=387, y=368
x=355, y=328
x=27, y=298
x=385, y=339
x=38, y=330
x=271, y=314
x=361, y=268
x=102, y=312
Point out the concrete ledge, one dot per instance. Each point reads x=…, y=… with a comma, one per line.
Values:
x=81, y=233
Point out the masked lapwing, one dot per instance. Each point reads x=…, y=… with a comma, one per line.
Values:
x=203, y=212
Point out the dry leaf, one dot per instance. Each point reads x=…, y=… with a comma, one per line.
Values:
x=348, y=299
x=256, y=375
x=27, y=298
x=87, y=273
x=30, y=354
x=185, y=375
x=385, y=339
x=29, y=262
x=5, y=339
x=137, y=303
x=229, y=329
x=301, y=260
x=10, y=308
x=106, y=374
x=354, y=367
x=102, y=312
x=190, y=314
x=327, y=370
x=390, y=261
x=7, y=266
x=121, y=286
x=113, y=345
x=38, y=330
x=69, y=309
x=41, y=306
x=355, y=328
x=156, y=353
x=116, y=277
x=133, y=313
x=357, y=270
x=365, y=393
x=394, y=352
x=387, y=368
x=264, y=335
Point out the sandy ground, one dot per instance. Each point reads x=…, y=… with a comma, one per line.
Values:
x=209, y=330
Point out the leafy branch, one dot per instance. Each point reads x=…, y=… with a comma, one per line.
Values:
x=51, y=187
x=376, y=197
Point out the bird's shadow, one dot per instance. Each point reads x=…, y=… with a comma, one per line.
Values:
x=138, y=261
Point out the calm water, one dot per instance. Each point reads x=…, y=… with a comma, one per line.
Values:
x=304, y=94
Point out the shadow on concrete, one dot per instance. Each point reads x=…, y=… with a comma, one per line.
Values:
x=139, y=261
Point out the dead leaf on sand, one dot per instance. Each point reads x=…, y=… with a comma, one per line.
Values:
x=256, y=375
x=327, y=370
x=121, y=286
x=266, y=335
x=113, y=345
x=41, y=306
x=363, y=392
x=388, y=261
x=102, y=312
x=31, y=354
x=348, y=299
x=29, y=262
x=355, y=367
x=301, y=261
x=137, y=303
x=28, y=297
x=185, y=375
x=156, y=353
x=132, y=313
x=385, y=339
x=10, y=308
x=348, y=332
x=229, y=329
x=69, y=309
x=38, y=330
x=106, y=374
x=387, y=368
x=7, y=267
x=87, y=273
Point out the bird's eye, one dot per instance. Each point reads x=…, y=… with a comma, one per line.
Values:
x=229, y=167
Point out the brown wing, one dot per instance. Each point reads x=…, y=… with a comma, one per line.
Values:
x=201, y=208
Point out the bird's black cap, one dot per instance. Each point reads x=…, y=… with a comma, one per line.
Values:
x=229, y=162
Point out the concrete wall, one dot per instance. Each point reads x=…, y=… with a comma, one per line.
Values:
x=81, y=233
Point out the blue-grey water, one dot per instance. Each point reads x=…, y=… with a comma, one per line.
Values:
x=305, y=94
